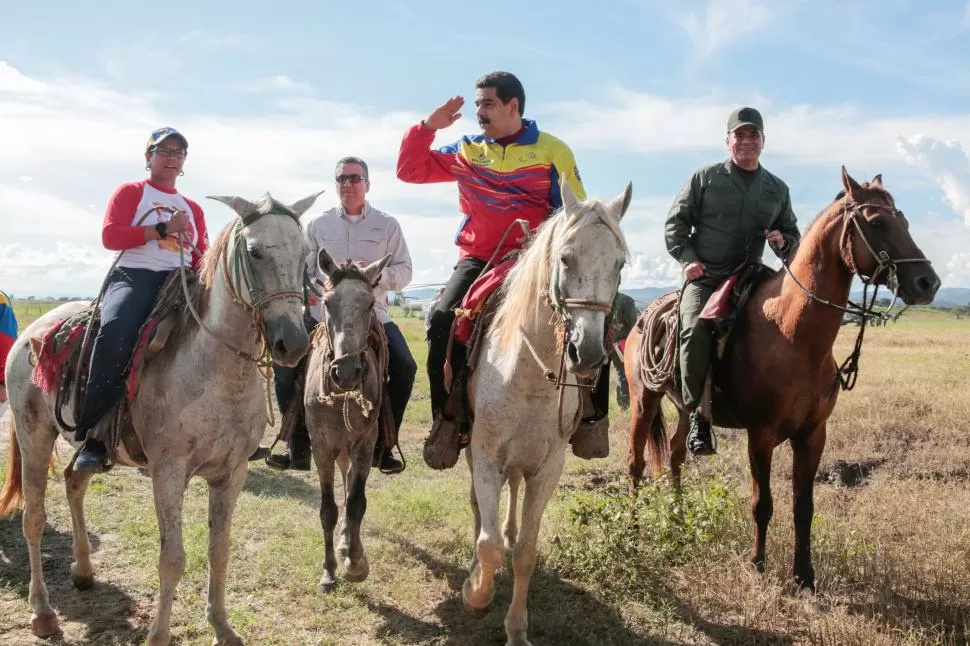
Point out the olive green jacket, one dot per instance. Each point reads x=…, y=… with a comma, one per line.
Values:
x=719, y=221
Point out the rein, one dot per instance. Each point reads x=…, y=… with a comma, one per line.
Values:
x=255, y=305
x=560, y=308
x=848, y=372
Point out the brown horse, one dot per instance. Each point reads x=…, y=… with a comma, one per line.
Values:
x=777, y=376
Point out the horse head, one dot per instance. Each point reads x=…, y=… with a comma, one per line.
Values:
x=265, y=263
x=588, y=256
x=876, y=243
x=348, y=301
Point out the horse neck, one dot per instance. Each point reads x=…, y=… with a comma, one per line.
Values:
x=541, y=333
x=819, y=267
x=228, y=318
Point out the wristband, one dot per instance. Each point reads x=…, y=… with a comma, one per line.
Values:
x=161, y=227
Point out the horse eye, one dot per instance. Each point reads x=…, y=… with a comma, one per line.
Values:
x=255, y=253
x=564, y=259
x=876, y=224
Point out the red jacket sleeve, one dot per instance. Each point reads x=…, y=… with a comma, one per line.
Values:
x=418, y=164
x=202, y=234
x=117, y=232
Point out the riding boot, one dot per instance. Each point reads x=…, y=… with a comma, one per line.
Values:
x=449, y=430
x=700, y=437
x=297, y=454
x=92, y=457
x=592, y=438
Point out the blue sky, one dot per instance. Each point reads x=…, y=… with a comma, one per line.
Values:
x=271, y=94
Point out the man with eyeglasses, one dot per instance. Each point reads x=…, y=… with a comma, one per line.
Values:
x=356, y=231
x=511, y=170
x=719, y=222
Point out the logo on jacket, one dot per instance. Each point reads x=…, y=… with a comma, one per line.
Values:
x=530, y=157
x=482, y=159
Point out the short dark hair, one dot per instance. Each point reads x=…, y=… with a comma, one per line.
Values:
x=507, y=87
x=354, y=160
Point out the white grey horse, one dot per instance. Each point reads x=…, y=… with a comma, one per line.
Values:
x=200, y=410
x=344, y=386
x=553, y=315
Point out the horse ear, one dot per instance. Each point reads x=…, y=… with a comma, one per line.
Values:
x=239, y=205
x=301, y=206
x=852, y=187
x=372, y=272
x=876, y=181
x=326, y=263
x=569, y=200
x=619, y=206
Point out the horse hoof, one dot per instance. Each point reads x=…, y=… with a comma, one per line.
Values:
x=83, y=582
x=358, y=574
x=228, y=640
x=475, y=611
x=45, y=625
x=326, y=587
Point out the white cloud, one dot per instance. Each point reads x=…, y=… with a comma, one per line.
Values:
x=629, y=121
x=723, y=23
x=76, y=140
x=278, y=83
x=946, y=163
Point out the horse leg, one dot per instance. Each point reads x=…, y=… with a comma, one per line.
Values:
x=223, y=495
x=539, y=489
x=641, y=414
x=478, y=588
x=168, y=485
x=762, y=507
x=356, y=568
x=678, y=448
x=510, y=529
x=76, y=484
x=806, y=454
x=324, y=459
x=343, y=463
x=473, y=500
x=35, y=454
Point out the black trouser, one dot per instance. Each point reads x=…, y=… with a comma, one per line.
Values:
x=440, y=319
x=401, y=369
x=125, y=305
x=284, y=383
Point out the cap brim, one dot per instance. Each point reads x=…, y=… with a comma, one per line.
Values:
x=180, y=137
x=743, y=124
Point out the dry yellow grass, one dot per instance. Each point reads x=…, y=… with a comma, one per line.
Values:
x=892, y=539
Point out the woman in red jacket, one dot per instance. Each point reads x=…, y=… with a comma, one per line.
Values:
x=142, y=223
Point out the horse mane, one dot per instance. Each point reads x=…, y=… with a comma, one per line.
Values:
x=877, y=190
x=348, y=270
x=529, y=278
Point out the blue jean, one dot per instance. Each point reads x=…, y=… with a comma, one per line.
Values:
x=125, y=305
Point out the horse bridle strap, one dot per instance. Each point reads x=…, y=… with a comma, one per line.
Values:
x=585, y=304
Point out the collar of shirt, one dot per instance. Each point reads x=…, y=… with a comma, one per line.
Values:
x=353, y=218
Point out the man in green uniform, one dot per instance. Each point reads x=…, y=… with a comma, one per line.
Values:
x=622, y=320
x=720, y=221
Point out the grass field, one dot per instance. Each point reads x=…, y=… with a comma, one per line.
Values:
x=891, y=538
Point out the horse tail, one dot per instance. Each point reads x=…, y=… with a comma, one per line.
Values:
x=12, y=494
x=658, y=448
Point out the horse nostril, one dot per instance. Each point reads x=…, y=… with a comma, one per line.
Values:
x=279, y=348
x=572, y=352
x=925, y=284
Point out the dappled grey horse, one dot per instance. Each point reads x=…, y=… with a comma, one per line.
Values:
x=200, y=410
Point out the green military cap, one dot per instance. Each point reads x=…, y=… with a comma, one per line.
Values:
x=745, y=117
